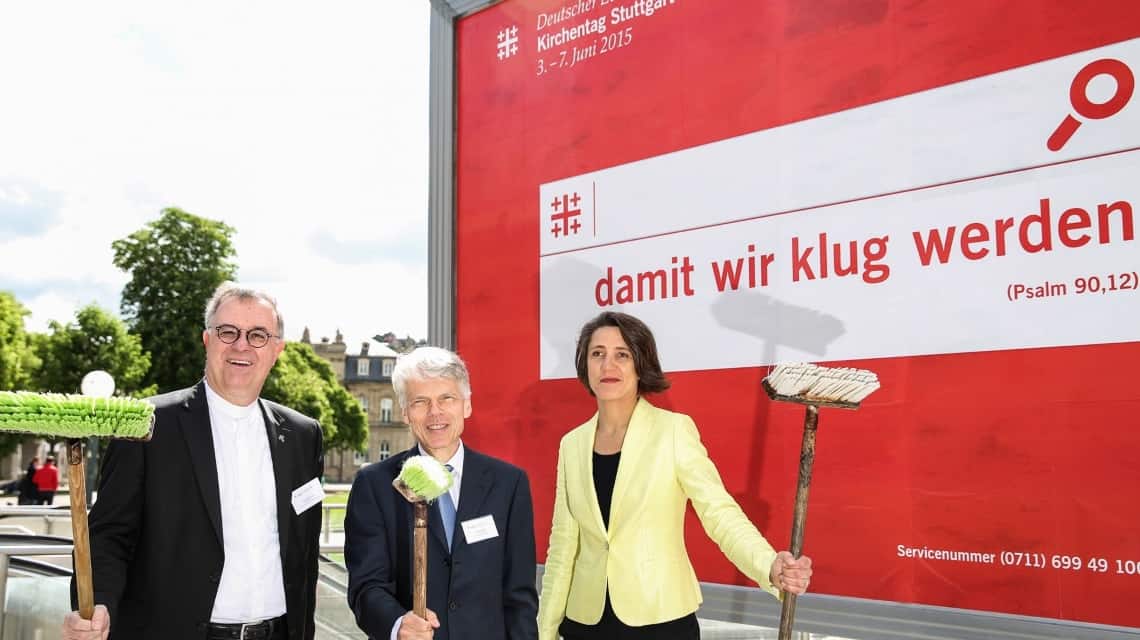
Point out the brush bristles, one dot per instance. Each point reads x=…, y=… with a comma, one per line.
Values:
x=72, y=416
x=426, y=477
x=804, y=380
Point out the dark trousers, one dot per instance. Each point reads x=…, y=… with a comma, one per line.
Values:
x=611, y=628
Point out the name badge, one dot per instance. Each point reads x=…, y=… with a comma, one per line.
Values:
x=480, y=529
x=307, y=495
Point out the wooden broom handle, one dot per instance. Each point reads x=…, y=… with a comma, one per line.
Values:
x=419, y=566
x=799, y=515
x=77, y=480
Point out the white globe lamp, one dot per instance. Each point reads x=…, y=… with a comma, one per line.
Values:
x=97, y=384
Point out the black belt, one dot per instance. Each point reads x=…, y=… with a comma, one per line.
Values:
x=246, y=631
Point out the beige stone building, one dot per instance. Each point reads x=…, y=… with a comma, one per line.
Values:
x=367, y=374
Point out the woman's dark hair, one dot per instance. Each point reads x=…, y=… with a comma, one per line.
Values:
x=650, y=378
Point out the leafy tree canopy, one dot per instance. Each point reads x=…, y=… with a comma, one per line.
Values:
x=18, y=361
x=303, y=381
x=175, y=264
x=95, y=340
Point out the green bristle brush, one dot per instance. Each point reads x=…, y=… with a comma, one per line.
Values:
x=421, y=480
x=76, y=418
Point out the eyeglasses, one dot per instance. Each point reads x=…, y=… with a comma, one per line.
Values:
x=421, y=406
x=256, y=337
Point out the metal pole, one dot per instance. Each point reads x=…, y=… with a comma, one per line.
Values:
x=92, y=468
x=3, y=589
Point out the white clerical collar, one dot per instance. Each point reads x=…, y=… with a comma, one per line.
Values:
x=227, y=408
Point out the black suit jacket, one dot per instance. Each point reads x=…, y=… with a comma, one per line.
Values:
x=156, y=528
x=483, y=590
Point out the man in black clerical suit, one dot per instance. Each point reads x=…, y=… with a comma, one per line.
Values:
x=211, y=529
x=480, y=556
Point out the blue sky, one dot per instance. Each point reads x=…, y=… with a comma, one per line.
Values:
x=304, y=126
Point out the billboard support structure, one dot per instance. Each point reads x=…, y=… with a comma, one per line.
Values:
x=441, y=172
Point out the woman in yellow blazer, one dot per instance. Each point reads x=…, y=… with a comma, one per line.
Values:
x=617, y=565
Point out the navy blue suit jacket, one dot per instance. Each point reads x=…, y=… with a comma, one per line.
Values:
x=483, y=590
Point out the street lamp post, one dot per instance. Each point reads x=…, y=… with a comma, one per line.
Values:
x=97, y=384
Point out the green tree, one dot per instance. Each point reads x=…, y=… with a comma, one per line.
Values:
x=95, y=340
x=17, y=358
x=175, y=264
x=303, y=381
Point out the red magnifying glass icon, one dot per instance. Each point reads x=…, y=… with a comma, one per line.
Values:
x=1078, y=96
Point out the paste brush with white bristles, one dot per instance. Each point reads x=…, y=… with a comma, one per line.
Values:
x=814, y=387
x=811, y=384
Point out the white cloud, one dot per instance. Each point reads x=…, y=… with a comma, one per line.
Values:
x=49, y=306
x=302, y=126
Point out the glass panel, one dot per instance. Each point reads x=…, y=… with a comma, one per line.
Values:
x=35, y=606
x=334, y=620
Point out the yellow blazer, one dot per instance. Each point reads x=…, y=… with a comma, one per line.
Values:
x=642, y=557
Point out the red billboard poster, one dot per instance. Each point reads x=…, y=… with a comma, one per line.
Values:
x=944, y=193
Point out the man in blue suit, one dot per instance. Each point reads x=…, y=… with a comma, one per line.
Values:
x=481, y=557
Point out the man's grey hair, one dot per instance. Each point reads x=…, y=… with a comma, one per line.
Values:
x=429, y=363
x=231, y=290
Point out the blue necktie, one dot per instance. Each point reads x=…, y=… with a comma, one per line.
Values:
x=447, y=512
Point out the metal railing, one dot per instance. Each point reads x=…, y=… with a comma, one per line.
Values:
x=326, y=522
x=48, y=514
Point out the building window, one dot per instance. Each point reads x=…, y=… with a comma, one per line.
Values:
x=385, y=410
x=388, y=366
x=360, y=458
x=385, y=450
x=362, y=367
x=363, y=402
